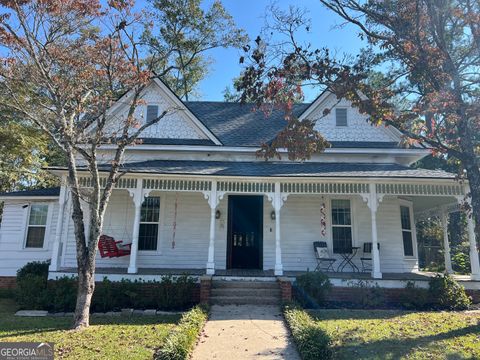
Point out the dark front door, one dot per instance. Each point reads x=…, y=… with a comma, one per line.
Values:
x=245, y=232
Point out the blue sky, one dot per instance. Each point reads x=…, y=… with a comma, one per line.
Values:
x=249, y=15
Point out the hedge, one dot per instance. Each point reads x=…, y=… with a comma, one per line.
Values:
x=180, y=343
x=35, y=292
x=312, y=342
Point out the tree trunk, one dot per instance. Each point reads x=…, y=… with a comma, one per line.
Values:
x=86, y=286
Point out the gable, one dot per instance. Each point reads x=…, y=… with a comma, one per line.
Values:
x=179, y=123
x=355, y=127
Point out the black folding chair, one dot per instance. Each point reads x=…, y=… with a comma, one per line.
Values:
x=324, y=260
x=366, y=259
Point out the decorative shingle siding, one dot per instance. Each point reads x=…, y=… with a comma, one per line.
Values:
x=358, y=128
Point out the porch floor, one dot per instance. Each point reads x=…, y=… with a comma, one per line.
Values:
x=421, y=275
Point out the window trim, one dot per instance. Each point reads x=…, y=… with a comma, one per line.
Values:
x=413, y=229
x=346, y=116
x=160, y=223
x=48, y=225
x=330, y=220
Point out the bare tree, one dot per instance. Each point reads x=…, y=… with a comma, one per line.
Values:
x=64, y=64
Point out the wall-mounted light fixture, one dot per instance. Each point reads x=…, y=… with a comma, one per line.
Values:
x=25, y=206
x=218, y=214
x=272, y=215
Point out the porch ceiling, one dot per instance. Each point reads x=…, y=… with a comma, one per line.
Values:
x=425, y=203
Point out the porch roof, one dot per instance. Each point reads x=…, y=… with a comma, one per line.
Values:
x=48, y=192
x=281, y=169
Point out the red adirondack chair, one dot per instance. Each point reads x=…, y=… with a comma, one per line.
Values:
x=109, y=247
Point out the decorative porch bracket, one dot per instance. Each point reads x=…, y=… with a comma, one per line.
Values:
x=213, y=196
x=277, y=199
x=373, y=201
x=57, y=244
x=138, y=194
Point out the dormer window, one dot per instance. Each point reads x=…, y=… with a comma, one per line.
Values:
x=152, y=113
x=341, y=116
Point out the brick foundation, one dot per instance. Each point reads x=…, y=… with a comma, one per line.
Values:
x=205, y=289
x=392, y=296
x=285, y=289
x=7, y=282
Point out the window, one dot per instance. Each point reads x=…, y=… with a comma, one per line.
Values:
x=152, y=113
x=149, y=218
x=406, y=231
x=37, y=223
x=341, y=117
x=341, y=226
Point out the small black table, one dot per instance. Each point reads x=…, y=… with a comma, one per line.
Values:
x=347, y=255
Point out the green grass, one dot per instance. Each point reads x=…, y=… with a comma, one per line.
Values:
x=362, y=334
x=106, y=338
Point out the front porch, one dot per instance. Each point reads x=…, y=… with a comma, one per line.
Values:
x=192, y=225
x=389, y=280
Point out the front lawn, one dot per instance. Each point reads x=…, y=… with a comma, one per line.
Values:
x=364, y=334
x=107, y=337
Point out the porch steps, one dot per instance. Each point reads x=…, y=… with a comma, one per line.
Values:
x=238, y=292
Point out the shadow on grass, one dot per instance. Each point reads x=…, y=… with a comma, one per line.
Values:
x=356, y=314
x=397, y=348
x=12, y=326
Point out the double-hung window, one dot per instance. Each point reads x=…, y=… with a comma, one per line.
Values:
x=407, y=233
x=341, y=226
x=149, y=223
x=37, y=224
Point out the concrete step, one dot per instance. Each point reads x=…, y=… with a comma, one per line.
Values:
x=244, y=300
x=220, y=284
x=260, y=292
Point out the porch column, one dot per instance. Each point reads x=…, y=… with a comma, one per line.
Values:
x=474, y=261
x=446, y=245
x=213, y=201
x=277, y=203
x=373, y=205
x=57, y=244
x=137, y=195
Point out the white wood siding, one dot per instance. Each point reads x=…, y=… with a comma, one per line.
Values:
x=300, y=226
x=13, y=255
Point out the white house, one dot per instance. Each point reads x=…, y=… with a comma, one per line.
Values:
x=197, y=198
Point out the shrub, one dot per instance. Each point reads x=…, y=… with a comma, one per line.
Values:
x=168, y=294
x=414, y=298
x=180, y=343
x=31, y=290
x=448, y=294
x=38, y=268
x=315, y=284
x=35, y=292
x=461, y=262
x=312, y=342
x=62, y=294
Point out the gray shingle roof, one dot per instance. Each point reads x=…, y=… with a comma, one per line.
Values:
x=282, y=169
x=163, y=141
x=237, y=124
x=55, y=191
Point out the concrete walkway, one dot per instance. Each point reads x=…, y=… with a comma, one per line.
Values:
x=245, y=332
